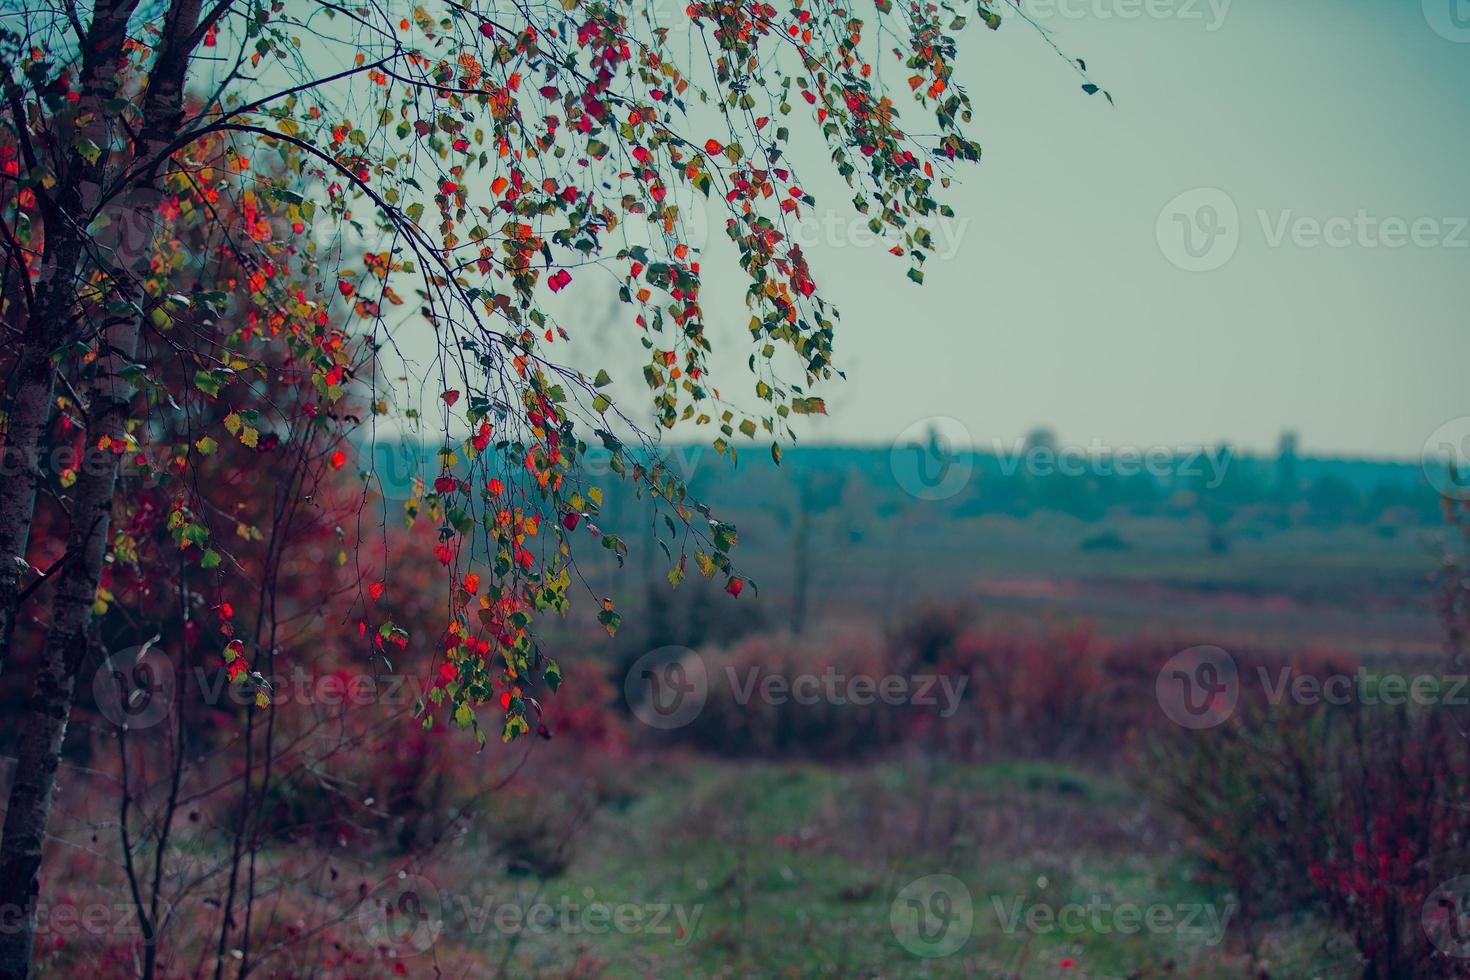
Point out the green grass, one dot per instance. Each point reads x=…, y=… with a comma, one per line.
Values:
x=793, y=870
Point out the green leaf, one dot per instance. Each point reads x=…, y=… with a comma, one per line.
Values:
x=725, y=536
x=211, y=559
x=609, y=621
x=809, y=406
x=207, y=382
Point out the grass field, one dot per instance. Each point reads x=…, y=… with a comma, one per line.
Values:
x=794, y=871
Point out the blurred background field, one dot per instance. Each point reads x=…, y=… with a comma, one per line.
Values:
x=776, y=839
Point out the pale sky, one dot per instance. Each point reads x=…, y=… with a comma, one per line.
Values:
x=1334, y=131
x=1059, y=307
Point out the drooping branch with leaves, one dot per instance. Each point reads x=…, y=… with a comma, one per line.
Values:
x=201, y=203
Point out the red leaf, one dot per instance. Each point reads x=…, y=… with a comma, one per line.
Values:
x=376, y=591
x=734, y=586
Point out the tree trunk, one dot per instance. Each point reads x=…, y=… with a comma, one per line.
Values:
x=65, y=651
x=108, y=398
x=51, y=321
x=28, y=423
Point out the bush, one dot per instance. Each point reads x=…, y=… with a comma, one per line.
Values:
x=1356, y=812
